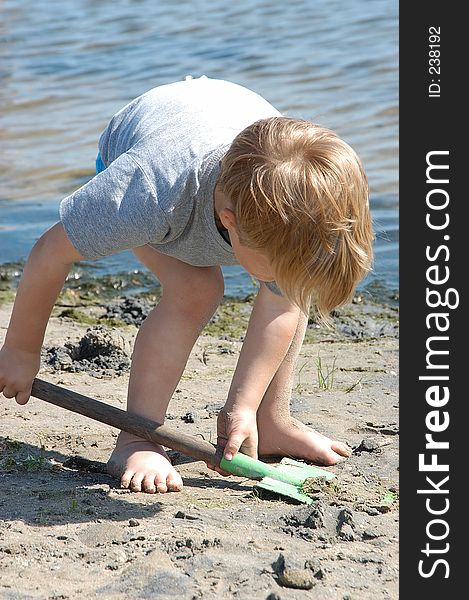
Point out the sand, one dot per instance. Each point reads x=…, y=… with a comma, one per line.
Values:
x=68, y=531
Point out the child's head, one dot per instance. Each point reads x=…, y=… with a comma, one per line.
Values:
x=300, y=197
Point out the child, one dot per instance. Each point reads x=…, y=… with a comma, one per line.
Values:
x=193, y=175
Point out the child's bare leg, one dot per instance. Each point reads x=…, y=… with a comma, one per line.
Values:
x=162, y=347
x=279, y=432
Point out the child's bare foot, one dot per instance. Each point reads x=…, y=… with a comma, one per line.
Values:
x=142, y=466
x=294, y=439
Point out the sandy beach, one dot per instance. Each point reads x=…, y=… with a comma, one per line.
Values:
x=68, y=531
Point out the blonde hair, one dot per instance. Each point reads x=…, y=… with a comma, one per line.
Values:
x=300, y=196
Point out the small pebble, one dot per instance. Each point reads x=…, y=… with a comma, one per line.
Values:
x=188, y=418
x=291, y=574
x=367, y=445
x=182, y=515
x=134, y=523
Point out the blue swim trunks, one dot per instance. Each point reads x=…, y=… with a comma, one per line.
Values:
x=100, y=166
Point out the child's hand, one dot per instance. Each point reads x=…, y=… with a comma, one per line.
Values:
x=18, y=368
x=236, y=430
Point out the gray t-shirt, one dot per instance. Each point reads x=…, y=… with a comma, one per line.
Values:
x=162, y=154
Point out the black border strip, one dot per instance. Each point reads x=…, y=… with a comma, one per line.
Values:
x=434, y=231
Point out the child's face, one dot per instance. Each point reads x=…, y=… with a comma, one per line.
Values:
x=253, y=261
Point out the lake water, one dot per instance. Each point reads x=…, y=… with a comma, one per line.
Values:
x=68, y=65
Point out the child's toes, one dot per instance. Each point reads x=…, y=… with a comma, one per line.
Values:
x=341, y=449
x=148, y=483
x=174, y=483
x=136, y=483
x=126, y=479
x=160, y=481
x=330, y=459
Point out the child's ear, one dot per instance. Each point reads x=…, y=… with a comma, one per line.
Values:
x=228, y=218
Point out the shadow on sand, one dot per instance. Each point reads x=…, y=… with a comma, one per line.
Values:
x=43, y=487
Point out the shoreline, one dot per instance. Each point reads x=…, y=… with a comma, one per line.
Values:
x=85, y=286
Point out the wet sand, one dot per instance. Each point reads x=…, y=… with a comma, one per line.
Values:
x=68, y=531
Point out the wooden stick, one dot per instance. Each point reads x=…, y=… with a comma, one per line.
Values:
x=121, y=419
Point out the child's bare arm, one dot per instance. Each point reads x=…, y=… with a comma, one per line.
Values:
x=44, y=275
x=271, y=329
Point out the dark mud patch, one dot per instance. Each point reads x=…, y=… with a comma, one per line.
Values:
x=310, y=517
x=365, y=326
x=99, y=352
x=132, y=311
x=78, y=463
x=358, y=322
x=341, y=517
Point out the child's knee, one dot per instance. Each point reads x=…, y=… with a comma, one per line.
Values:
x=206, y=288
x=199, y=293
x=192, y=288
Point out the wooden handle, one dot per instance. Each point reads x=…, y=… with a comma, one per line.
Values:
x=121, y=419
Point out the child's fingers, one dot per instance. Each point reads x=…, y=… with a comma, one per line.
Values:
x=249, y=447
x=219, y=471
x=22, y=397
x=8, y=392
x=233, y=445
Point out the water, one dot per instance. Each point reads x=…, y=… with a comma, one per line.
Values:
x=68, y=65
